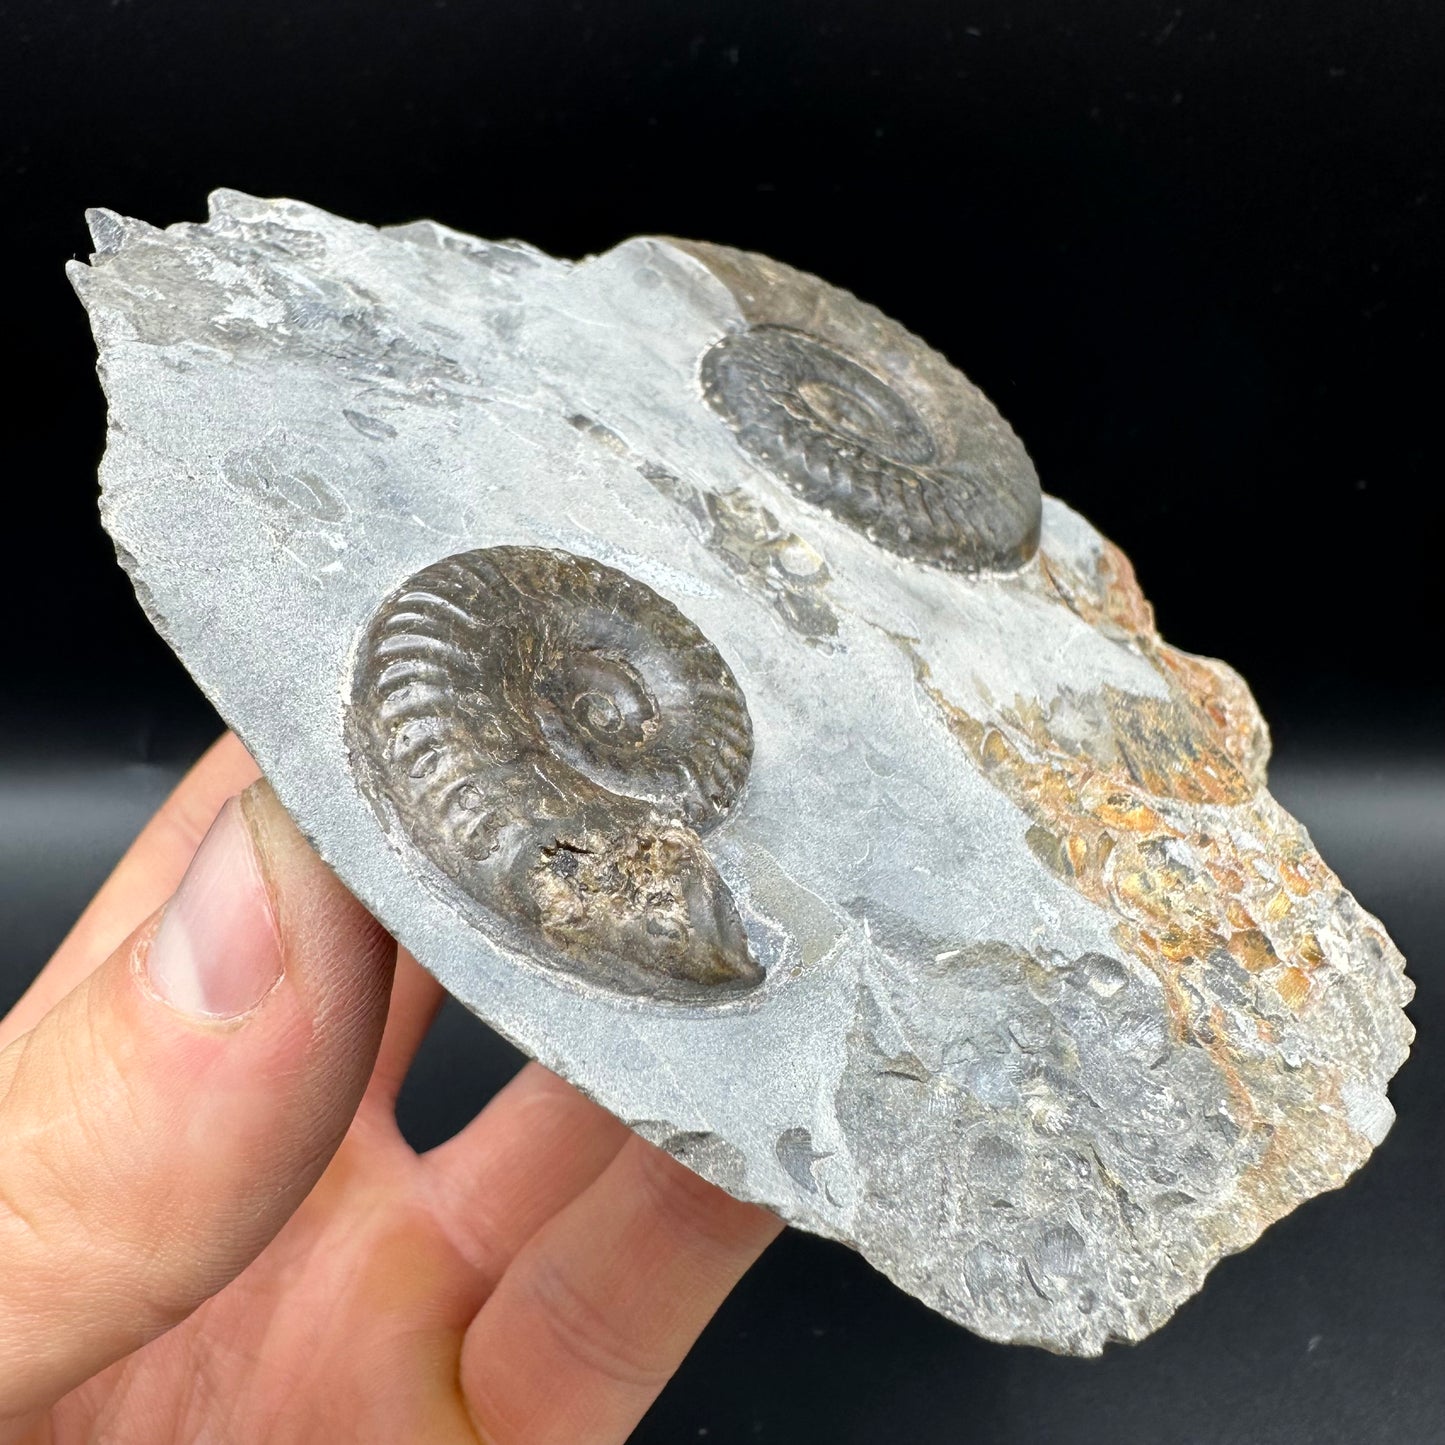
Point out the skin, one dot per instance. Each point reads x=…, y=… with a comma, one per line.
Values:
x=212, y=1230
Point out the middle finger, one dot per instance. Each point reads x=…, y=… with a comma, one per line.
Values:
x=527, y=1155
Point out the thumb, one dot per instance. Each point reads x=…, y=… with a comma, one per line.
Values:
x=163, y=1121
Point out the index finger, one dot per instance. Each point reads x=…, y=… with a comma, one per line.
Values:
x=143, y=879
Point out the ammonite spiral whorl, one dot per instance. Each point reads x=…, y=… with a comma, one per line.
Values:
x=855, y=414
x=551, y=735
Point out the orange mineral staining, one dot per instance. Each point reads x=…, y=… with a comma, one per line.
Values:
x=1117, y=817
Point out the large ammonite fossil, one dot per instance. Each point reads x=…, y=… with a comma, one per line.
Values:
x=856, y=415
x=552, y=736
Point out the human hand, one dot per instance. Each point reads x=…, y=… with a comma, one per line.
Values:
x=211, y=1228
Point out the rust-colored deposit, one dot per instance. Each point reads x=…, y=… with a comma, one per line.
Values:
x=1154, y=807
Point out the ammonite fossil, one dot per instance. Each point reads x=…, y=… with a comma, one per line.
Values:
x=552, y=736
x=855, y=414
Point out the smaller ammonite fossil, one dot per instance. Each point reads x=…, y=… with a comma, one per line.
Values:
x=856, y=415
x=552, y=736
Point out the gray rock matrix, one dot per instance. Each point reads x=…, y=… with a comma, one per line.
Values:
x=1041, y=1002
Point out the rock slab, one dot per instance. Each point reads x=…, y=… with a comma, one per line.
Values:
x=949, y=915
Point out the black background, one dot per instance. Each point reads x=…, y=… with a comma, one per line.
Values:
x=1192, y=251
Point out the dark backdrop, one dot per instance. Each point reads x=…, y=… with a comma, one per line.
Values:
x=1192, y=250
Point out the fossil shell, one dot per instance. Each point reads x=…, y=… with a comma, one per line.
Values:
x=550, y=733
x=857, y=415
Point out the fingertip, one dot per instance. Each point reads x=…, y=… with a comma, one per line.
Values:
x=216, y=953
x=342, y=959
x=694, y=1205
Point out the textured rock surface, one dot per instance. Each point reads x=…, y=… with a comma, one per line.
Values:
x=1058, y=1005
